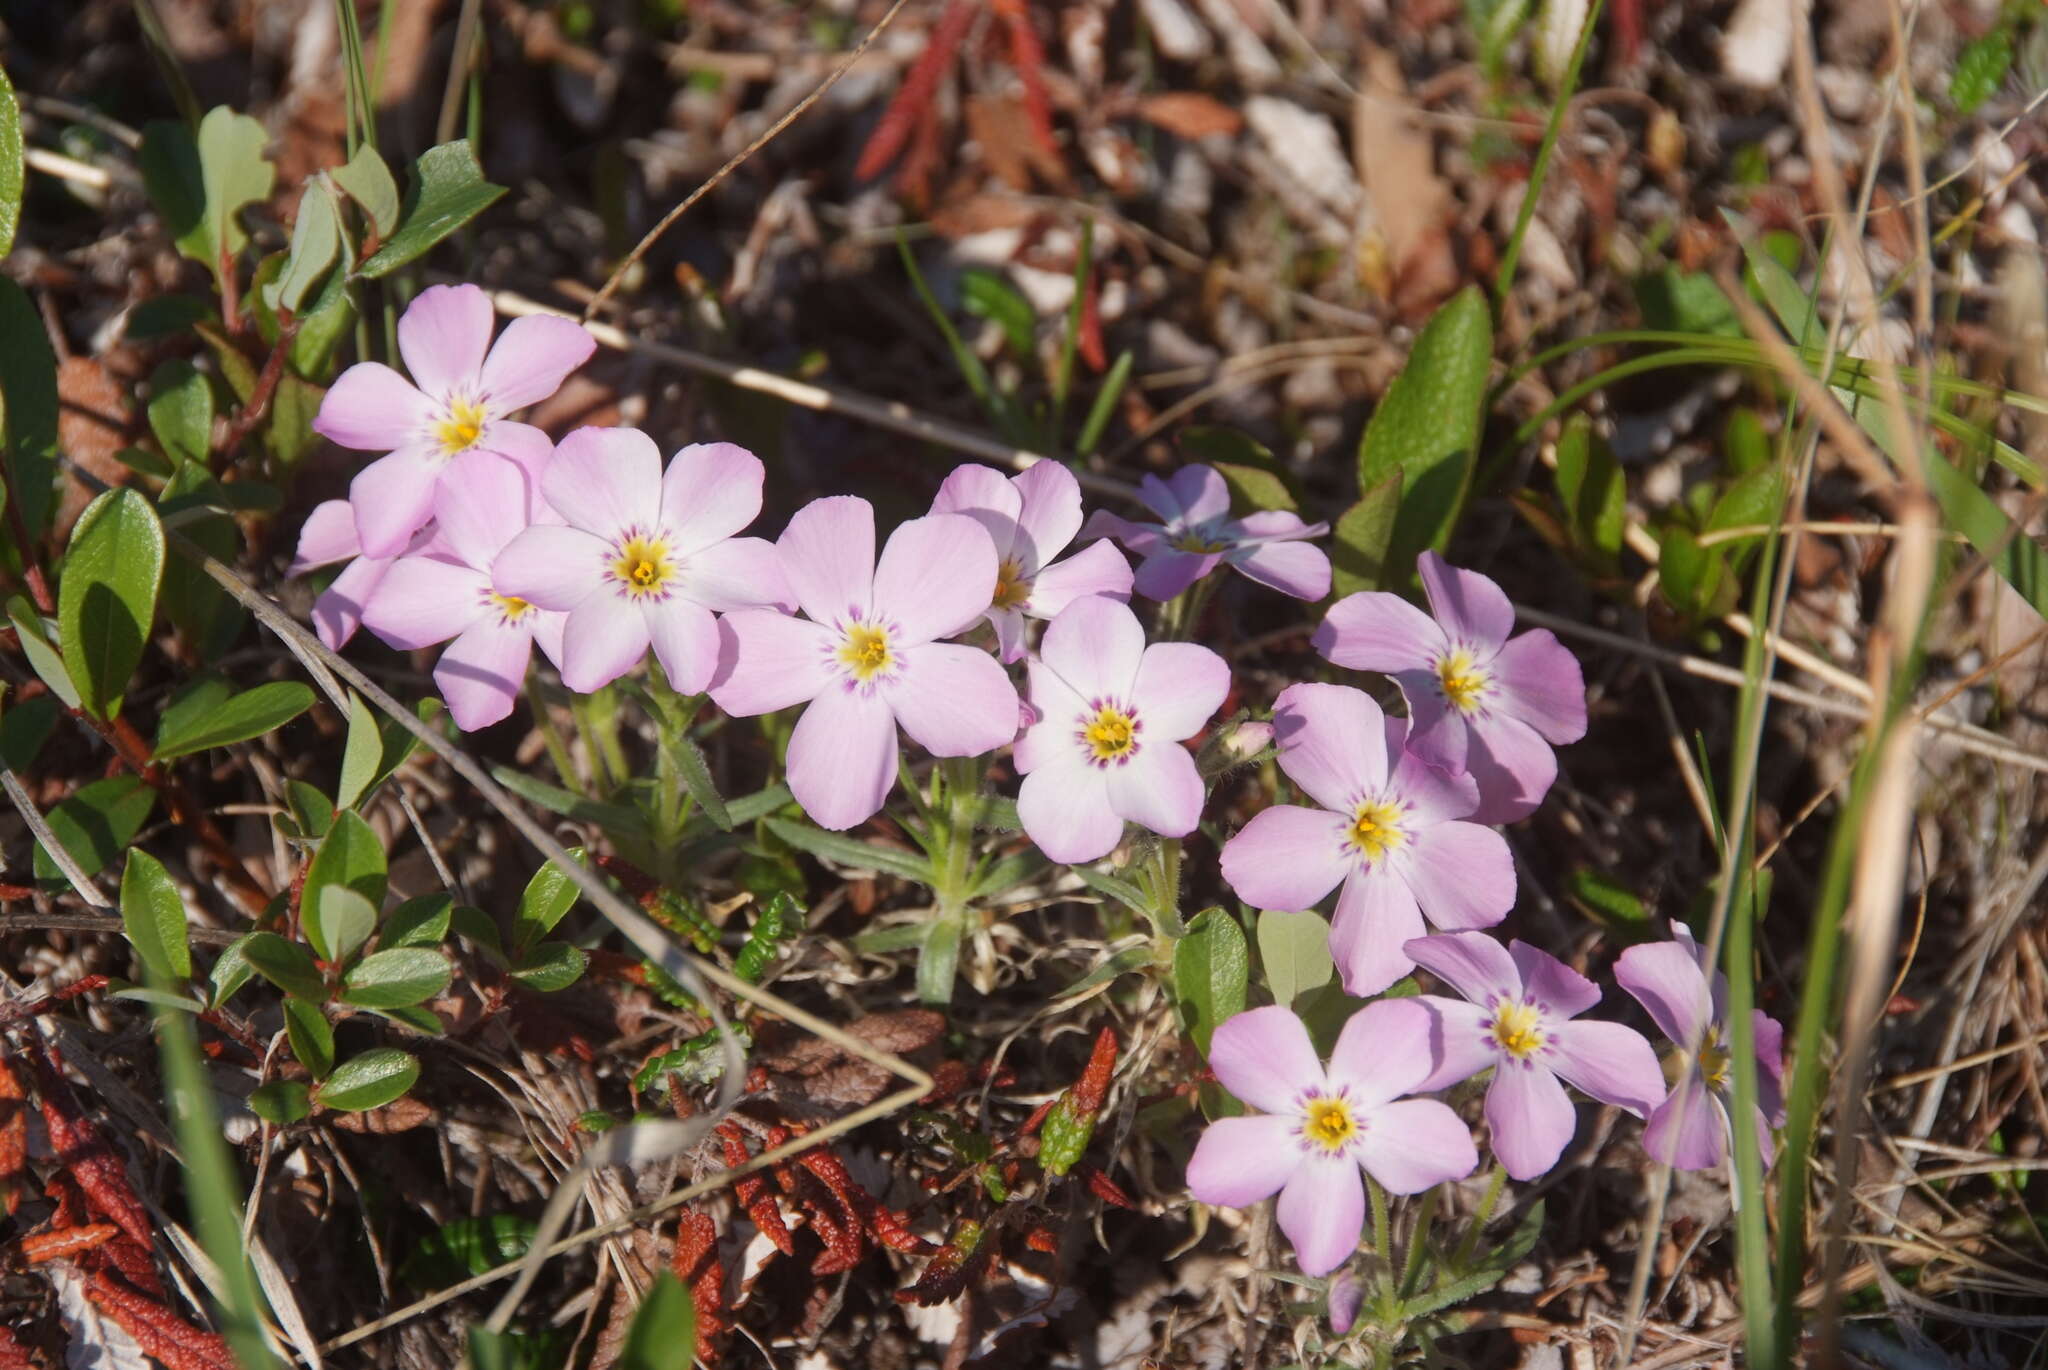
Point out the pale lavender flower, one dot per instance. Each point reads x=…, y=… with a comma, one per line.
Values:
x=329, y=536
x=867, y=655
x=1389, y=831
x=483, y=502
x=1520, y=1022
x=1691, y=1128
x=1346, y=1296
x=643, y=557
x=1031, y=518
x=462, y=388
x=1196, y=534
x=1316, y=1127
x=1112, y=714
x=1477, y=702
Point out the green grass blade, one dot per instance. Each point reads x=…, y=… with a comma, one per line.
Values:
x=1105, y=405
x=1504, y=280
x=1070, y=342
x=971, y=370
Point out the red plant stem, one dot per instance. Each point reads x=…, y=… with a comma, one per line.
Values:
x=914, y=97
x=250, y=414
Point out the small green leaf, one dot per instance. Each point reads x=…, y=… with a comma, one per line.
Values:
x=10, y=164
x=1590, y=483
x=158, y=998
x=96, y=823
x=398, y=978
x=43, y=658
x=370, y=1080
x=1753, y=501
x=312, y=812
x=664, y=1331
x=281, y=1102
x=986, y=295
x=548, y=896
x=689, y=762
x=345, y=922
x=1361, y=537
x=1677, y=301
x=1325, y=1010
x=783, y=918
x=551, y=966
x=349, y=856
x=418, y=922
x=28, y=396
x=466, y=1247
x=1064, y=1135
x=1428, y=424
x=312, y=1036
x=1980, y=69
x=1211, y=971
x=1692, y=575
x=181, y=411
x=201, y=186
x=231, y=971
x=368, y=182
x=107, y=599
x=447, y=190
x=1607, y=900
x=360, y=753
x=24, y=728
x=848, y=851
x=316, y=242
x=1295, y=950
x=287, y=965
x=153, y=915
x=204, y=714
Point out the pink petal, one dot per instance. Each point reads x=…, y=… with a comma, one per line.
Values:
x=1346, y=1297
x=1530, y=1119
x=481, y=502
x=1460, y=1043
x=1097, y=569
x=1322, y=1211
x=1437, y=733
x=1462, y=874
x=1264, y=1057
x=1096, y=648
x=1169, y=571
x=1142, y=538
x=1472, y=609
x=842, y=757
x=985, y=495
x=953, y=700
x=481, y=672
x=1383, y=1052
x=424, y=600
x=1064, y=807
x=1050, y=516
x=1332, y=742
x=1009, y=625
x=531, y=359
x=1668, y=982
x=327, y=536
x=1415, y=1144
x=1196, y=493
x=769, y=661
x=1613, y=1063
x=520, y=443
x=552, y=566
x=1769, y=1038
x=606, y=481
x=603, y=639
x=1286, y=858
x=443, y=336
x=1059, y=712
x=710, y=491
x=685, y=640
x=548, y=628
x=1240, y=1161
x=739, y=573
x=1470, y=962
x=1374, y=630
x=1513, y=767
x=1179, y=688
x=1376, y=918
x=393, y=497
x=936, y=576
x=372, y=408
x=1299, y=569
x=1433, y=796
x=1541, y=684
x=1686, y=1131
x=1159, y=789
x=828, y=556
x=1550, y=983
x=339, y=610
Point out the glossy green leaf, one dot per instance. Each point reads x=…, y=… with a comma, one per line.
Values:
x=153, y=915
x=368, y=182
x=550, y=966
x=24, y=727
x=349, y=856
x=311, y=1035
x=10, y=164
x=205, y=714
x=231, y=970
x=418, y=922
x=43, y=657
x=316, y=242
x=1361, y=538
x=1294, y=948
x=663, y=1335
x=1427, y=425
x=447, y=190
x=281, y=1102
x=370, y=1080
x=28, y=397
x=96, y=824
x=287, y=965
x=548, y=896
x=1211, y=972
x=181, y=411
x=312, y=812
x=106, y=601
x=361, y=752
x=201, y=185
x=345, y=922
x=397, y=978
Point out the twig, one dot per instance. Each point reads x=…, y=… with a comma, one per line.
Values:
x=40, y=826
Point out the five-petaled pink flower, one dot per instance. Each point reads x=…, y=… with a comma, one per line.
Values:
x=867, y=655
x=1389, y=831
x=1317, y=1127
x=1690, y=1129
x=646, y=556
x=1519, y=1021
x=1196, y=534
x=1477, y=702
x=483, y=502
x=328, y=536
x=1111, y=715
x=1031, y=518
x=462, y=388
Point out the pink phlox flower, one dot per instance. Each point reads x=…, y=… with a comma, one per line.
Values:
x=1317, y=1127
x=461, y=390
x=1112, y=714
x=1390, y=831
x=1477, y=702
x=1690, y=1129
x=329, y=536
x=1031, y=518
x=484, y=501
x=643, y=557
x=1196, y=534
x=1520, y=1021
x=867, y=654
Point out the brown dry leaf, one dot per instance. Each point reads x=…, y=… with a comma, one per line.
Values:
x=401, y=1115
x=92, y=425
x=1001, y=125
x=821, y=1072
x=1396, y=159
x=972, y=214
x=1189, y=114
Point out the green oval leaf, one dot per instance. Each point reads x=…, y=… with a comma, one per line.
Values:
x=96, y=823
x=287, y=965
x=107, y=599
x=368, y=182
x=1064, y=1135
x=202, y=185
x=397, y=978
x=664, y=1331
x=231, y=971
x=1360, y=539
x=312, y=1036
x=316, y=242
x=204, y=714
x=10, y=164
x=28, y=382
x=370, y=1080
x=349, y=856
x=153, y=915
x=548, y=896
x=181, y=411
x=447, y=190
x=418, y=922
x=1295, y=950
x=43, y=658
x=1211, y=971
x=551, y=966
x=345, y=922
x=281, y=1102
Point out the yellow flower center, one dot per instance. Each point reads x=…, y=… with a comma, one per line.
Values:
x=866, y=651
x=1518, y=1029
x=1111, y=735
x=511, y=607
x=1329, y=1123
x=1465, y=685
x=1011, y=587
x=1376, y=829
x=1714, y=1060
x=642, y=566
x=461, y=428
x=1198, y=544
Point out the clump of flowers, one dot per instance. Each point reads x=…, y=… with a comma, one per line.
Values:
x=1196, y=534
